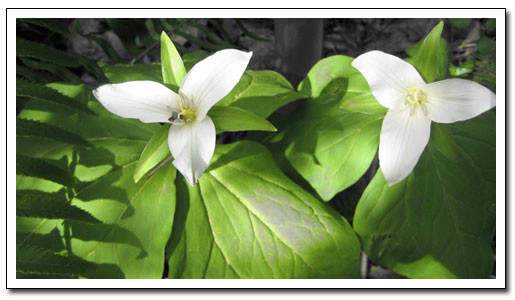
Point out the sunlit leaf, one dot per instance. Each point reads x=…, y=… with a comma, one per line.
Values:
x=155, y=151
x=260, y=92
x=462, y=70
x=37, y=204
x=42, y=92
x=136, y=218
x=245, y=219
x=229, y=118
x=431, y=55
x=325, y=71
x=36, y=167
x=171, y=62
x=331, y=140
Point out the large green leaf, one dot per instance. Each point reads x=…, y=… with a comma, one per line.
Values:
x=260, y=92
x=246, y=219
x=325, y=71
x=332, y=140
x=439, y=222
x=136, y=219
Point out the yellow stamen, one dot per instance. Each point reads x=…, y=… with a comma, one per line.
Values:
x=416, y=98
x=186, y=113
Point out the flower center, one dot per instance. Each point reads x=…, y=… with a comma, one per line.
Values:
x=416, y=98
x=186, y=112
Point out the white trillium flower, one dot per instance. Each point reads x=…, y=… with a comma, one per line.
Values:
x=192, y=135
x=412, y=105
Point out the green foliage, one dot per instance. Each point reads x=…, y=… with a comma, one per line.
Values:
x=245, y=219
x=194, y=57
x=32, y=262
x=323, y=72
x=333, y=138
x=123, y=73
x=439, y=222
x=431, y=55
x=154, y=152
x=55, y=25
x=98, y=197
x=490, y=26
x=36, y=167
x=260, y=92
x=462, y=70
x=30, y=128
x=127, y=212
x=171, y=62
x=229, y=118
x=62, y=73
x=44, y=93
x=461, y=23
x=26, y=48
x=38, y=204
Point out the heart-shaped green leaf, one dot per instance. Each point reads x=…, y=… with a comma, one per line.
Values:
x=245, y=219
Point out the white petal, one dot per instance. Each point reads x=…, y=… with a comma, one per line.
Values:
x=144, y=100
x=192, y=146
x=454, y=100
x=389, y=77
x=213, y=78
x=403, y=139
